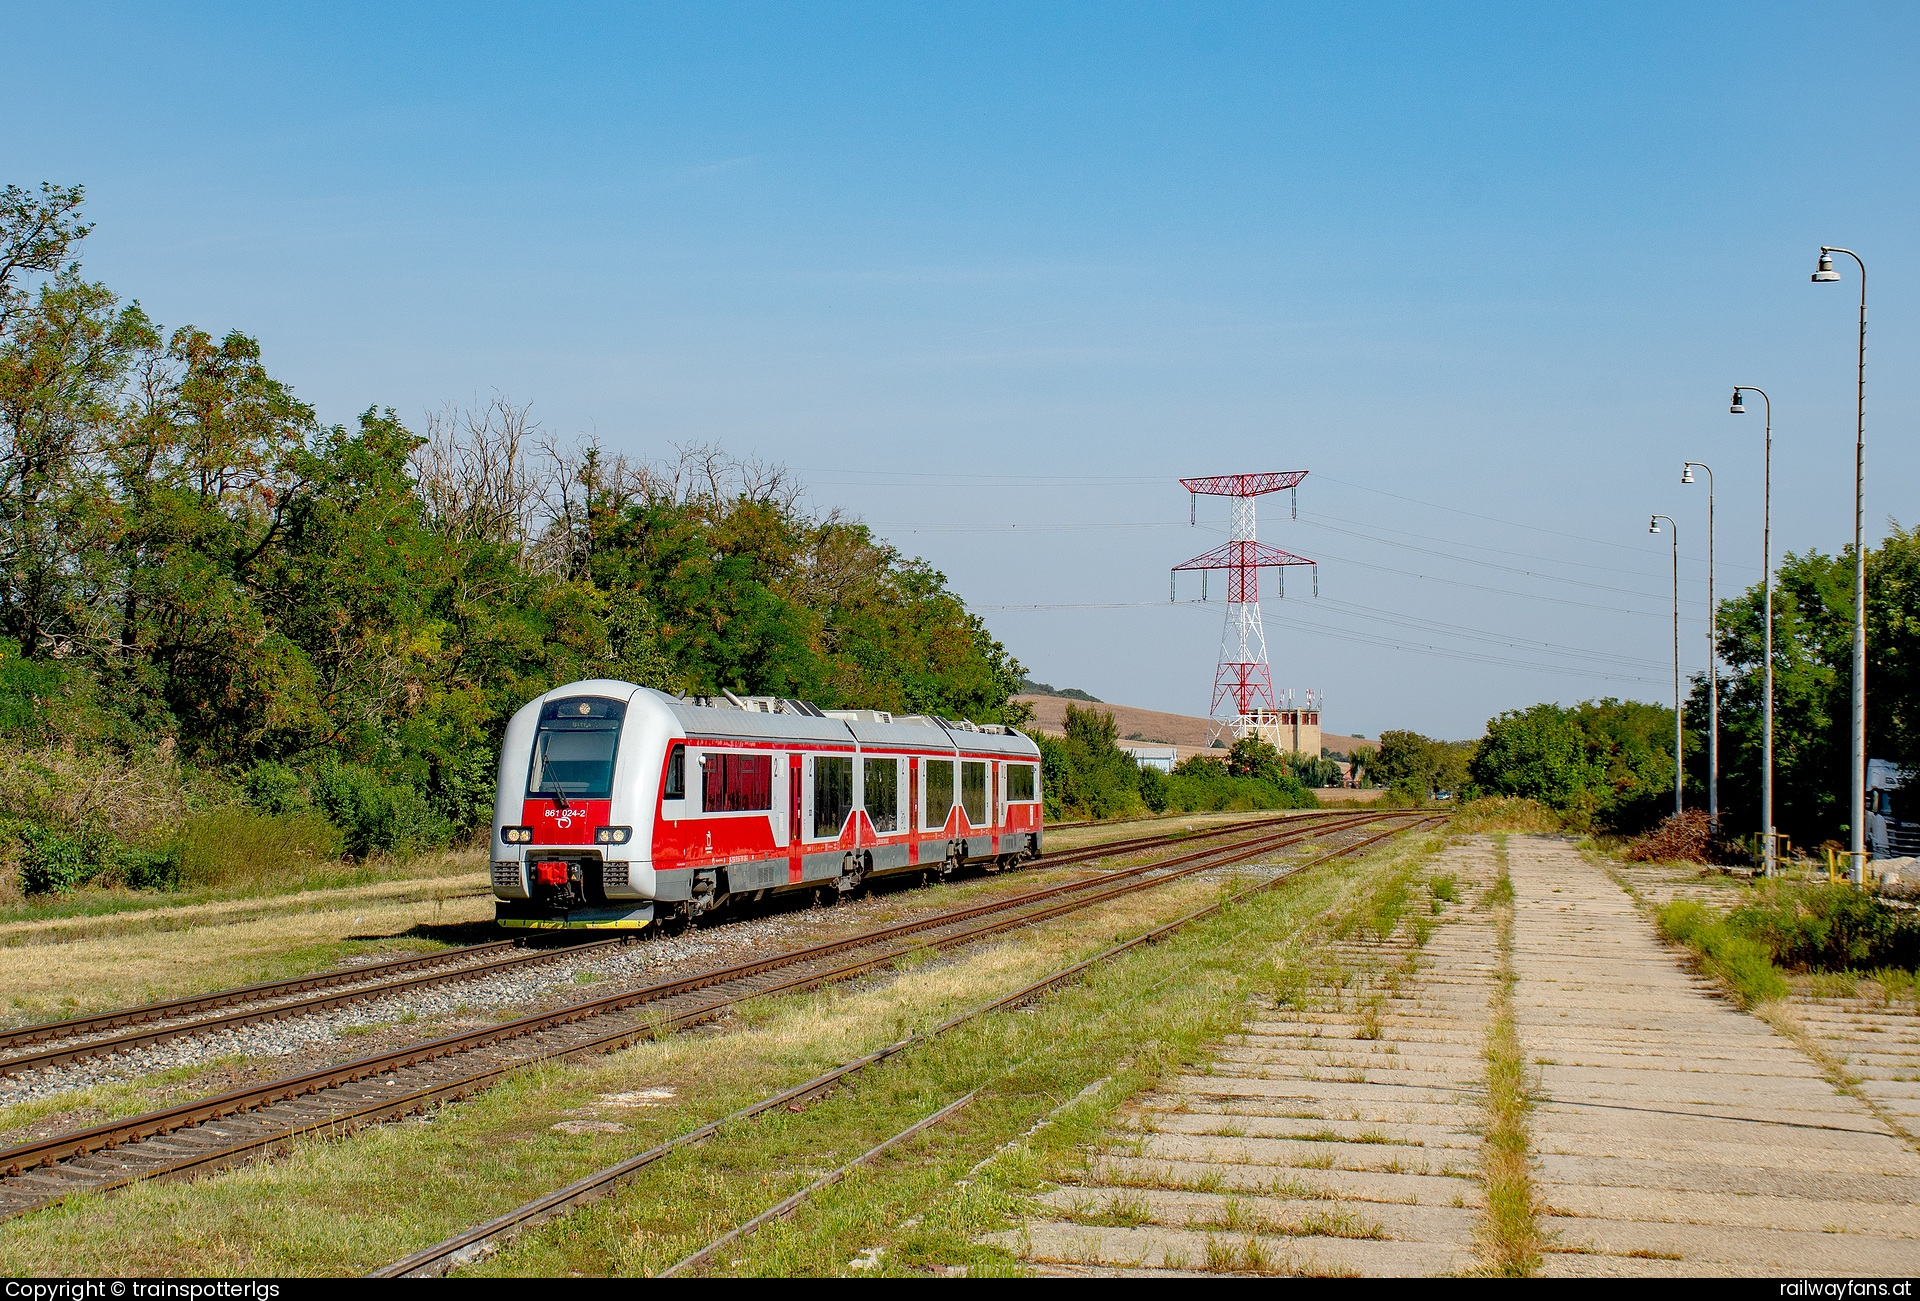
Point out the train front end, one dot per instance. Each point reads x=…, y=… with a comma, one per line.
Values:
x=572, y=821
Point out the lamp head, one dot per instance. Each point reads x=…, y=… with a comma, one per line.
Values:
x=1686, y=473
x=1737, y=407
x=1826, y=271
x=1653, y=525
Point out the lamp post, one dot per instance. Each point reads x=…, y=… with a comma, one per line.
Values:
x=1653, y=526
x=1769, y=860
x=1857, y=815
x=1713, y=656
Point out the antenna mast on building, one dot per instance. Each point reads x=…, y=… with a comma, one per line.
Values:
x=1243, y=698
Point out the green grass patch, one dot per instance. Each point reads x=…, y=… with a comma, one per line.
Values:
x=1743, y=963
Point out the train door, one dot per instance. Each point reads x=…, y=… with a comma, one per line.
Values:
x=794, y=763
x=911, y=822
x=780, y=817
x=999, y=796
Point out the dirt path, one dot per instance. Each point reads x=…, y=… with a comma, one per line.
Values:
x=1339, y=1136
x=1677, y=1135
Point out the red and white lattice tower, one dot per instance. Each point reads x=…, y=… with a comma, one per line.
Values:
x=1243, y=699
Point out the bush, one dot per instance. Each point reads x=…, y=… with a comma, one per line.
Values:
x=1086, y=772
x=1506, y=813
x=373, y=815
x=1201, y=792
x=275, y=788
x=51, y=863
x=1153, y=789
x=149, y=869
x=231, y=847
x=1745, y=964
x=1828, y=928
x=25, y=688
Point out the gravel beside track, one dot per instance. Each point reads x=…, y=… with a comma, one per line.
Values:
x=234, y=1127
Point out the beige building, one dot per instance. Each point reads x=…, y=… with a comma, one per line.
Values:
x=1295, y=730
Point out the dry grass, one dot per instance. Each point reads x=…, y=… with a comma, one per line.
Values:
x=1505, y=813
x=192, y=949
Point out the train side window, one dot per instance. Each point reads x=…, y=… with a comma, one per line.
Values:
x=973, y=792
x=675, y=787
x=737, y=783
x=832, y=795
x=1019, y=782
x=939, y=792
x=880, y=780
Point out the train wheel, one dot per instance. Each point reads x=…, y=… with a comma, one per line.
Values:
x=853, y=875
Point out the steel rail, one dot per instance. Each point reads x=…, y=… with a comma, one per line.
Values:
x=281, y=1011
x=463, y=1248
x=786, y=1207
x=370, y=1103
x=176, y=1028
x=73, y=1027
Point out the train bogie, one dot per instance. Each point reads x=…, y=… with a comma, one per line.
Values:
x=619, y=806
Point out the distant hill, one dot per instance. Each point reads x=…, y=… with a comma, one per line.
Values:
x=1185, y=732
x=1029, y=687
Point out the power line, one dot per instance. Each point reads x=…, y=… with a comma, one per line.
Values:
x=1488, y=564
x=1359, y=636
x=1721, y=568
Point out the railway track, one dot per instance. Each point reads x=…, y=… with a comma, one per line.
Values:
x=474, y=1243
x=57, y=1043
x=234, y=1127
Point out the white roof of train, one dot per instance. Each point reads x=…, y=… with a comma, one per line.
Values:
x=773, y=718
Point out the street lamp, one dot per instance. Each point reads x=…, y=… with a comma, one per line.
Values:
x=1653, y=526
x=1857, y=831
x=1713, y=656
x=1769, y=860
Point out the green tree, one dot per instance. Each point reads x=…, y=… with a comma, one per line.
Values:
x=1539, y=753
x=1607, y=760
x=351, y=614
x=1254, y=756
x=1812, y=672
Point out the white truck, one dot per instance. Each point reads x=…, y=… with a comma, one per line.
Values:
x=1893, y=811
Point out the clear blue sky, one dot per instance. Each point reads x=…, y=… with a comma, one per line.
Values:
x=992, y=277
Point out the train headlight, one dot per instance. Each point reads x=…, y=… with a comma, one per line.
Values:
x=612, y=835
x=517, y=835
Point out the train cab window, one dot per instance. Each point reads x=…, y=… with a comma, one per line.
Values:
x=939, y=792
x=832, y=795
x=675, y=786
x=1019, y=782
x=736, y=783
x=880, y=787
x=973, y=792
x=574, y=748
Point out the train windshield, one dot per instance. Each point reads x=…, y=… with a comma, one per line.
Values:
x=574, y=749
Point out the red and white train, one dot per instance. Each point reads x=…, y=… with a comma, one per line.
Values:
x=619, y=805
